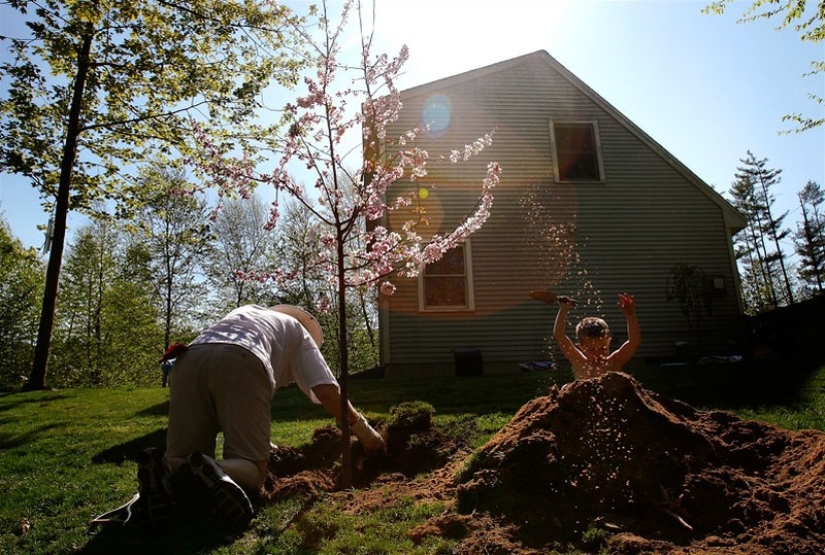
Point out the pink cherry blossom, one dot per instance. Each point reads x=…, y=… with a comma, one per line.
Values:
x=336, y=132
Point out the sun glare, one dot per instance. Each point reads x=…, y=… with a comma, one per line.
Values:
x=448, y=37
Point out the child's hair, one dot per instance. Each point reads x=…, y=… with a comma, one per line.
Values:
x=591, y=328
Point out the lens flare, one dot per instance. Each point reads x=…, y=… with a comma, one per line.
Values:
x=437, y=114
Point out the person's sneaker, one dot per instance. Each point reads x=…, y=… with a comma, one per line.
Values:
x=120, y=516
x=154, y=487
x=229, y=501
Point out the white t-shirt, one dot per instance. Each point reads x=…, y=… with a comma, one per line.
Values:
x=281, y=342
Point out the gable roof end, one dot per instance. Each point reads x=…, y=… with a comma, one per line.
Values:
x=734, y=220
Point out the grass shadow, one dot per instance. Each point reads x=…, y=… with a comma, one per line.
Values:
x=10, y=441
x=118, y=454
x=28, y=398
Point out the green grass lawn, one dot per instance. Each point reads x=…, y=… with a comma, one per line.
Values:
x=66, y=456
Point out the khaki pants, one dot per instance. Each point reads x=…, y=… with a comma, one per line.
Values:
x=219, y=388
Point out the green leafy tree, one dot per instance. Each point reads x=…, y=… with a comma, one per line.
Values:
x=107, y=332
x=21, y=282
x=89, y=269
x=810, y=24
x=173, y=233
x=99, y=85
x=809, y=238
x=133, y=334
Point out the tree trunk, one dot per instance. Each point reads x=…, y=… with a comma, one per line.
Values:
x=37, y=379
x=343, y=347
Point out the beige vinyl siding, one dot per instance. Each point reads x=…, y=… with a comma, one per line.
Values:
x=630, y=229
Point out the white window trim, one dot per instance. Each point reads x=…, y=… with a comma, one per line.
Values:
x=468, y=278
x=597, y=135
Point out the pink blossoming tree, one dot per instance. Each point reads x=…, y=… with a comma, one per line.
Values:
x=351, y=205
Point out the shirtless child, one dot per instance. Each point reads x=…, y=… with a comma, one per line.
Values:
x=591, y=356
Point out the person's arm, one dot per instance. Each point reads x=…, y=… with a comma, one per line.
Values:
x=329, y=395
x=567, y=347
x=622, y=355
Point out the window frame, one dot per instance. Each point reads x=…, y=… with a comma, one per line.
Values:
x=594, y=126
x=468, y=285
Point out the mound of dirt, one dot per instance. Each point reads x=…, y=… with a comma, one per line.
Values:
x=597, y=461
x=657, y=474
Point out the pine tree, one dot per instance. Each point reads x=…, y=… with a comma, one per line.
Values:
x=749, y=248
x=809, y=238
x=767, y=224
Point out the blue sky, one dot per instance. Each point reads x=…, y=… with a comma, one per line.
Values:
x=705, y=87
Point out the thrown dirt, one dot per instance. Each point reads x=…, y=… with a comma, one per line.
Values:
x=597, y=464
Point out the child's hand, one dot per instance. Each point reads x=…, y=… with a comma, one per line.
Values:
x=566, y=301
x=550, y=297
x=627, y=304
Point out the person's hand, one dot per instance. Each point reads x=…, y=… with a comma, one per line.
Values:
x=369, y=438
x=566, y=301
x=549, y=297
x=627, y=304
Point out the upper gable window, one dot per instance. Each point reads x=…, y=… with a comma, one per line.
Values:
x=446, y=284
x=576, y=151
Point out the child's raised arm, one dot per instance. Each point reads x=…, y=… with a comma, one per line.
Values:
x=627, y=305
x=567, y=347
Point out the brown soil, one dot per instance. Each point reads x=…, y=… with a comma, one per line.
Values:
x=598, y=463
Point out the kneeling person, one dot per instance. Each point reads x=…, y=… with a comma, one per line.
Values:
x=224, y=381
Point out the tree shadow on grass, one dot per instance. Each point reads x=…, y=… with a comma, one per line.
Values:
x=18, y=400
x=10, y=441
x=118, y=454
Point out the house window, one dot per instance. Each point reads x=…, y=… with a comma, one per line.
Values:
x=446, y=284
x=576, y=149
